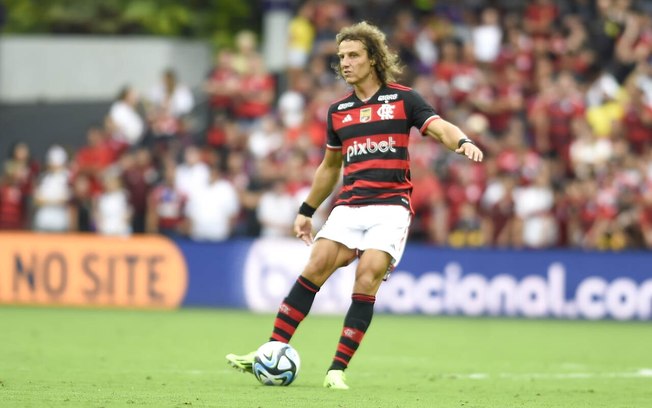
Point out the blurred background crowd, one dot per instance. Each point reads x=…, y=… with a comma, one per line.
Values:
x=557, y=92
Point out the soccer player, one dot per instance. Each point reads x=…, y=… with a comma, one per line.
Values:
x=368, y=134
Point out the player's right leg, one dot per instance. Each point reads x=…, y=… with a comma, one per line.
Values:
x=325, y=258
x=242, y=362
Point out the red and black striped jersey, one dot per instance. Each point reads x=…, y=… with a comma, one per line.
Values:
x=373, y=138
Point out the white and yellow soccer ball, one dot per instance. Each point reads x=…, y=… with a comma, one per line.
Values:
x=276, y=363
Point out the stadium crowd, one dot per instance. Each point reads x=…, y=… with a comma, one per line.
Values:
x=557, y=92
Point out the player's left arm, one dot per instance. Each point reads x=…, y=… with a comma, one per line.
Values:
x=453, y=138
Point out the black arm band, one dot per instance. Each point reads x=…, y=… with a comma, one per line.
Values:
x=306, y=210
x=464, y=140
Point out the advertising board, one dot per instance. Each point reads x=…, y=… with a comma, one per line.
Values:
x=91, y=270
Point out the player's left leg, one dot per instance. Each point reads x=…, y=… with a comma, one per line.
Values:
x=382, y=247
x=371, y=269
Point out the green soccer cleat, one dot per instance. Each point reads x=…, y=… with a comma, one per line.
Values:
x=335, y=379
x=243, y=362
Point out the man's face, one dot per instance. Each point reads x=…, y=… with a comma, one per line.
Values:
x=354, y=62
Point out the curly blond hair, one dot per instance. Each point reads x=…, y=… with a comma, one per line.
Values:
x=387, y=64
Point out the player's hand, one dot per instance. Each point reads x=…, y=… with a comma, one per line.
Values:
x=471, y=151
x=303, y=228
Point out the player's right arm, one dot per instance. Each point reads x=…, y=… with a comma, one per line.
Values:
x=326, y=178
x=323, y=184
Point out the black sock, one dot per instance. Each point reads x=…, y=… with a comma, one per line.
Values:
x=356, y=322
x=294, y=309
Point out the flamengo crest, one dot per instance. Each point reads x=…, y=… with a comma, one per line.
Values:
x=386, y=111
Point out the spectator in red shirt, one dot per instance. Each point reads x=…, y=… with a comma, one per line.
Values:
x=256, y=93
x=222, y=84
x=165, y=206
x=456, y=73
x=497, y=207
x=553, y=114
x=516, y=157
x=427, y=192
x=93, y=158
x=540, y=16
x=138, y=177
x=465, y=185
x=25, y=169
x=97, y=154
x=636, y=124
x=13, y=208
x=500, y=98
x=517, y=51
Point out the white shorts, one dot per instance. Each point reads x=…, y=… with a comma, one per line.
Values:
x=382, y=227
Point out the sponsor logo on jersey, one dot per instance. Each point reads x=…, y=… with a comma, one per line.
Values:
x=347, y=118
x=365, y=115
x=370, y=147
x=386, y=111
x=345, y=105
x=385, y=98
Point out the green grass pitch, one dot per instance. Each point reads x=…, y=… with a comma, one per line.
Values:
x=115, y=358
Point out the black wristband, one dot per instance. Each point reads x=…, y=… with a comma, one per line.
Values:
x=464, y=140
x=306, y=210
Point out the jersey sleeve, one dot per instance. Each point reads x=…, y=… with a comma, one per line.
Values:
x=333, y=141
x=419, y=111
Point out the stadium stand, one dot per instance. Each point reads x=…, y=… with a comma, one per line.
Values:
x=558, y=93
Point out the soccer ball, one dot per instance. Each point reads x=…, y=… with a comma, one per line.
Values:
x=276, y=363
